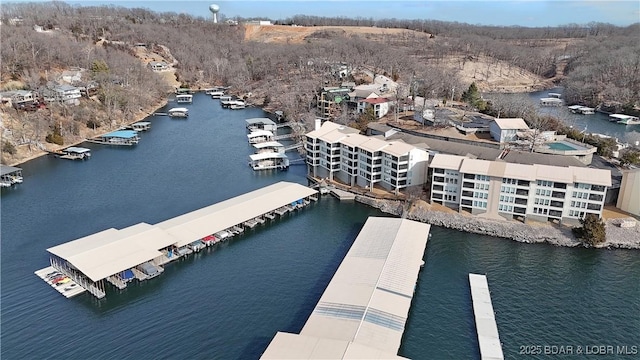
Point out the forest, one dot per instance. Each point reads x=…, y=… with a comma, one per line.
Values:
x=600, y=63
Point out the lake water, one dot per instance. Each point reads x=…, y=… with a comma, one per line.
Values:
x=229, y=301
x=597, y=123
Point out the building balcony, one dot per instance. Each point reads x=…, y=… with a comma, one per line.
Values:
x=520, y=201
x=557, y=204
x=595, y=197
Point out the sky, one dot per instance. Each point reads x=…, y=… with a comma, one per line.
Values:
x=534, y=13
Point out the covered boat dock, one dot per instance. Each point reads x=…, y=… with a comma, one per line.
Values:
x=269, y=146
x=364, y=309
x=254, y=124
x=119, y=137
x=259, y=136
x=10, y=175
x=140, y=251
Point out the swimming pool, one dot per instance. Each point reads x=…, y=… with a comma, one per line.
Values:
x=562, y=146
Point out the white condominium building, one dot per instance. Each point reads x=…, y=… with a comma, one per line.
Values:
x=529, y=192
x=340, y=153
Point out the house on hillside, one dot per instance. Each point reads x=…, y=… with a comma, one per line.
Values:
x=505, y=130
x=330, y=101
x=158, y=66
x=89, y=89
x=20, y=99
x=67, y=94
x=71, y=76
x=380, y=106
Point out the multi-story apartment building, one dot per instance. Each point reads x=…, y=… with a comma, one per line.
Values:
x=330, y=101
x=530, y=192
x=340, y=153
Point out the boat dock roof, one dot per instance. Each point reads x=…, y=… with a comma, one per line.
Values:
x=223, y=215
x=490, y=347
x=178, y=109
x=77, y=150
x=267, y=144
x=265, y=121
x=112, y=251
x=364, y=309
x=125, y=134
x=259, y=133
x=267, y=155
x=6, y=169
x=98, y=256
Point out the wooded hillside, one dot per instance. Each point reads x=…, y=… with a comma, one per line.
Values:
x=282, y=67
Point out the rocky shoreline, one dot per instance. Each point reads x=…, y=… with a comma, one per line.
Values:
x=617, y=237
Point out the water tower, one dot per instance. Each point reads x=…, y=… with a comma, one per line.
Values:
x=214, y=11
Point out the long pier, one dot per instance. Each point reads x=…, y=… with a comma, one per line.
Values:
x=140, y=251
x=490, y=347
x=363, y=311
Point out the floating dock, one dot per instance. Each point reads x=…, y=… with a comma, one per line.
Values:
x=342, y=195
x=364, y=309
x=140, y=251
x=68, y=288
x=490, y=347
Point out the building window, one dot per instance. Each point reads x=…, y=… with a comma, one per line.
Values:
x=507, y=189
x=545, y=183
x=543, y=192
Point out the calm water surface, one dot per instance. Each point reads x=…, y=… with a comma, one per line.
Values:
x=229, y=301
x=597, y=123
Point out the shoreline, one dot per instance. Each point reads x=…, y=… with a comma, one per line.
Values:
x=617, y=237
x=143, y=115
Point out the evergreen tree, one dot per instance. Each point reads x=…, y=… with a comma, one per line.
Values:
x=592, y=231
x=473, y=97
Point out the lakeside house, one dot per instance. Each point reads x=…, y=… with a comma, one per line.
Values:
x=506, y=130
x=500, y=190
x=339, y=152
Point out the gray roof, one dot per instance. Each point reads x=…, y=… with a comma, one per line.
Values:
x=265, y=121
x=479, y=152
x=5, y=169
x=522, y=157
x=365, y=306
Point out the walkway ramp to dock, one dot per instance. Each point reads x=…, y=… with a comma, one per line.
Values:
x=490, y=347
x=364, y=309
